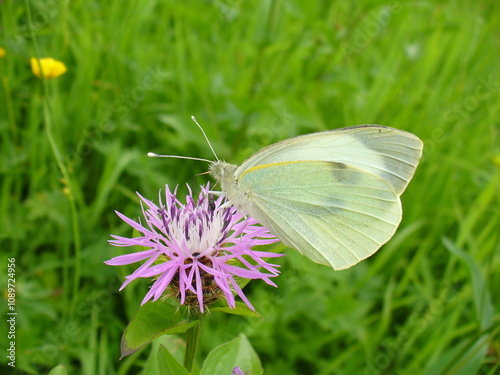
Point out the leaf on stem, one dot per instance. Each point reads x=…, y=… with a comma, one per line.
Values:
x=153, y=319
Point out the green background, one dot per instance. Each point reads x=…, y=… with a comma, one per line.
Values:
x=253, y=73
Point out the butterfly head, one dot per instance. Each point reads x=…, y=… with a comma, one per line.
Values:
x=221, y=171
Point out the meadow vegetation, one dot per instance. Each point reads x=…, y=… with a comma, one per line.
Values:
x=73, y=149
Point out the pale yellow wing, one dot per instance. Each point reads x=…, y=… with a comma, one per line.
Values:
x=389, y=153
x=333, y=213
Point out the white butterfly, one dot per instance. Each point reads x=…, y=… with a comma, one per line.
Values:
x=333, y=195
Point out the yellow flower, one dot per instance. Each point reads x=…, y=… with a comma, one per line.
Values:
x=51, y=68
x=3, y=52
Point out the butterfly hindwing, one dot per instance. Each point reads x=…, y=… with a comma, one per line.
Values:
x=333, y=213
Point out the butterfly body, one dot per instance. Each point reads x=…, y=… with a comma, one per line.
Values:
x=333, y=195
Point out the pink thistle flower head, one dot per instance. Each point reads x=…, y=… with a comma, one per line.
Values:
x=196, y=249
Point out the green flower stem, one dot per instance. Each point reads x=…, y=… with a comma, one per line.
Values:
x=69, y=191
x=73, y=209
x=192, y=336
x=10, y=108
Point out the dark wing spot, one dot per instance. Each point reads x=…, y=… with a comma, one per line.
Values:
x=339, y=165
x=344, y=174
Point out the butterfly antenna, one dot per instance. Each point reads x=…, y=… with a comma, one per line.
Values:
x=153, y=155
x=206, y=138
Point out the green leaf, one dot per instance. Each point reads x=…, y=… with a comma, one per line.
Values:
x=481, y=205
x=481, y=294
x=152, y=320
x=174, y=345
x=240, y=309
x=168, y=364
x=464, y=358
x=59, y=370
x=238, y=352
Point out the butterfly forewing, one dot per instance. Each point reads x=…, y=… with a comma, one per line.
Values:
x=388, y=153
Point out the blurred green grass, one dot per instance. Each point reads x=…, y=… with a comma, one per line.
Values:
x=253, y=73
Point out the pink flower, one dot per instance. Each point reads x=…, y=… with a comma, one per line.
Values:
x=197, y=249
